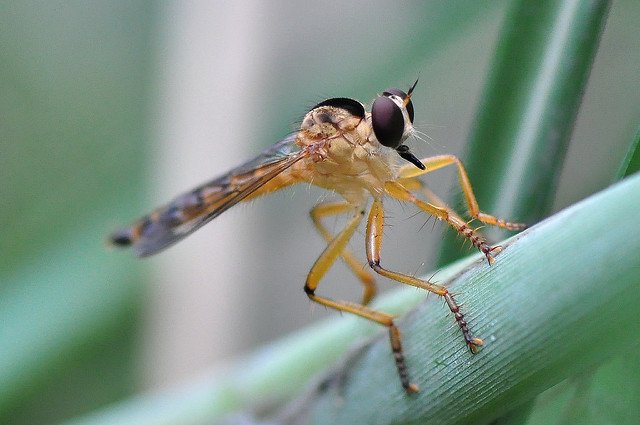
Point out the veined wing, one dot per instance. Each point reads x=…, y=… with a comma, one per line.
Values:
x=188, y=212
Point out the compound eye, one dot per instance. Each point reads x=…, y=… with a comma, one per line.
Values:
x=402, y=95
x=387, y=121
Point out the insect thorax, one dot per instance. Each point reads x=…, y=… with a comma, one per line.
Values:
x=345, y=155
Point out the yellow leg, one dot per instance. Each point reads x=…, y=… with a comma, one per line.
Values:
x=375, y=224
x=442, y=212
x=322, y=265
x=435, y=163
x=413, y=184
x=334, y=208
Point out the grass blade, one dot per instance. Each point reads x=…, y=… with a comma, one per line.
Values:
x=542, y=309
x=527, y=114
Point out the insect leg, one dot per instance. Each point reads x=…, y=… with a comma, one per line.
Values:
x=322, y=265
x=334, y=208
x=442, y=212
x=435, y=163
x=374, y=247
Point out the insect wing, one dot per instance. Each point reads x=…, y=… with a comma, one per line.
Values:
x=190, y=211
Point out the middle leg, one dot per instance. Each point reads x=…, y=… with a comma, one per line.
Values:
x=375, y=224
x=322, y=265
x=334, y=208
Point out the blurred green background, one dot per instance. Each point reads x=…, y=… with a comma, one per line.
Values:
x=109, y=109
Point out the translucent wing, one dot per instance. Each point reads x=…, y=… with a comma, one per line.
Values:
x=188, y=212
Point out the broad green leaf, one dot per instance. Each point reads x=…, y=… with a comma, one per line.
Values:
x=559, y=300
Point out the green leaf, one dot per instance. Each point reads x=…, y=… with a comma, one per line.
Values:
x=527, y=114
x=559, y=300
x=594, y=397
x=50, y=320
x=73, y=80
x=631, y=161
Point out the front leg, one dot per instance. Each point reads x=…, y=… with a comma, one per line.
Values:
x=442, y=212
x=435, y=163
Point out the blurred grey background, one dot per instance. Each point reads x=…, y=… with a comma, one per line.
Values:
x=111, y=109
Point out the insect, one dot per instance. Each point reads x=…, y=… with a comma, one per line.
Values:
x=358, y=154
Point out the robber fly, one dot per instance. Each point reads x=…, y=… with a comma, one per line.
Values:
x=343, y=148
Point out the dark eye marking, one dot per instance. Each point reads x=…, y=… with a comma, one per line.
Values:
x=387, y=122
x=354, y=107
